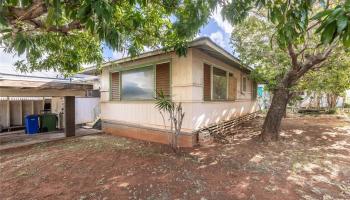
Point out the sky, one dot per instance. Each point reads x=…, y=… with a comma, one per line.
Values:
x=217, y=29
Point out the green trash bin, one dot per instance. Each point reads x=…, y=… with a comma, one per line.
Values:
x=48, y=122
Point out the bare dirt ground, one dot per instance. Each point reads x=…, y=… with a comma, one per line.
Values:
x=311, y=161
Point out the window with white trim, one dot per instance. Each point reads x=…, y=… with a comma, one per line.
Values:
x=244, y=84
x=138, y=84
x=219, y=84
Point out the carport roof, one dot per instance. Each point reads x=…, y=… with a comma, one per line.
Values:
x=14, y=85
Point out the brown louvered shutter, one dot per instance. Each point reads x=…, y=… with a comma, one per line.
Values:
x=206, y=83
x=115, y=91
x=232, y=87
x=163, y=78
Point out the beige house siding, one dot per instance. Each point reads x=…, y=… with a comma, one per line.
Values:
x=199, y=58
x=144, y=113
x=205, y=113
x=186, y=86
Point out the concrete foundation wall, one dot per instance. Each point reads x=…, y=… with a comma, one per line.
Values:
x=147, y=134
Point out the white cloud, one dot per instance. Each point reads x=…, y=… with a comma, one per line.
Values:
x=223, y=24
x=8, y=59
x=7, y=62
x=197, y=35
x=218, y=38
x=118, y=55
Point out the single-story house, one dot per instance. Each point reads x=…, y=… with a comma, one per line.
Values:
x=212, y=85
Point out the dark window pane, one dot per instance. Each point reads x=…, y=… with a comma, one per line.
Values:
x=219, y=84
x=244, y=84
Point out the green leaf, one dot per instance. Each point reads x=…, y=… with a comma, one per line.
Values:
x=22, y=47
x=342, y=22
x=336, y=11
x=347, y=5
x=3, y=21
x=321, y=14
x=84, y=12
x=328, y=33
x=346, y=40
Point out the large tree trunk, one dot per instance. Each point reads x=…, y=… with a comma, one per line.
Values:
x=275, y=114
x=332, y=100
x=282, y=93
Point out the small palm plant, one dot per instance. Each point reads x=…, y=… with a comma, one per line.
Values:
x=166, y=106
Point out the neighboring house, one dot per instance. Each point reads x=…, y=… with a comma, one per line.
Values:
x=347, y=97
x=211, y=84
x=311, y=100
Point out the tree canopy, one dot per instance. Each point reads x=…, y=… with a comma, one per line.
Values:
x=63, y=35
x=293, y=19
x=49, y=31
x=254, y=40
x=333, y=78
x=288, y=39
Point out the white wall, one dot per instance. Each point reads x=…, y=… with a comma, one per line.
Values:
x=141, y=114
x=205, y=114
x=86, y=109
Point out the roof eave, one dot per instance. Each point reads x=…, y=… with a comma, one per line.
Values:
x=197, y=42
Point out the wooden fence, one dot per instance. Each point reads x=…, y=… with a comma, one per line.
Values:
x=346, y=110
x=225, y=127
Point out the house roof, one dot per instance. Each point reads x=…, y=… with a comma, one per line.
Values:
x=204, y=44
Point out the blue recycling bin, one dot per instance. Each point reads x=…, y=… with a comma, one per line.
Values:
x=32, y=124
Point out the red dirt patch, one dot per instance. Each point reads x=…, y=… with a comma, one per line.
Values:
x=310, y=162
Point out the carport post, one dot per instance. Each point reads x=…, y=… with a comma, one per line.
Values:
x=69, y=116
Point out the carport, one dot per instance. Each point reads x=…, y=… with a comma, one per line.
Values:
x=48, y=87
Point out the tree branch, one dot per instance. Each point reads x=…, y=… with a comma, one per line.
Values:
x=314, y=61
x=37, y=9
x=313, y=26
x=38, y=24
x=293, y=56
x=302, y=50
x=75, y=25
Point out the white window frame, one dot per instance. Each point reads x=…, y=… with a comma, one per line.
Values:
x=212, y=81
x=153, y=66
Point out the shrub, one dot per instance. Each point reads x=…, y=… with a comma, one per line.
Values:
x=331, y=111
